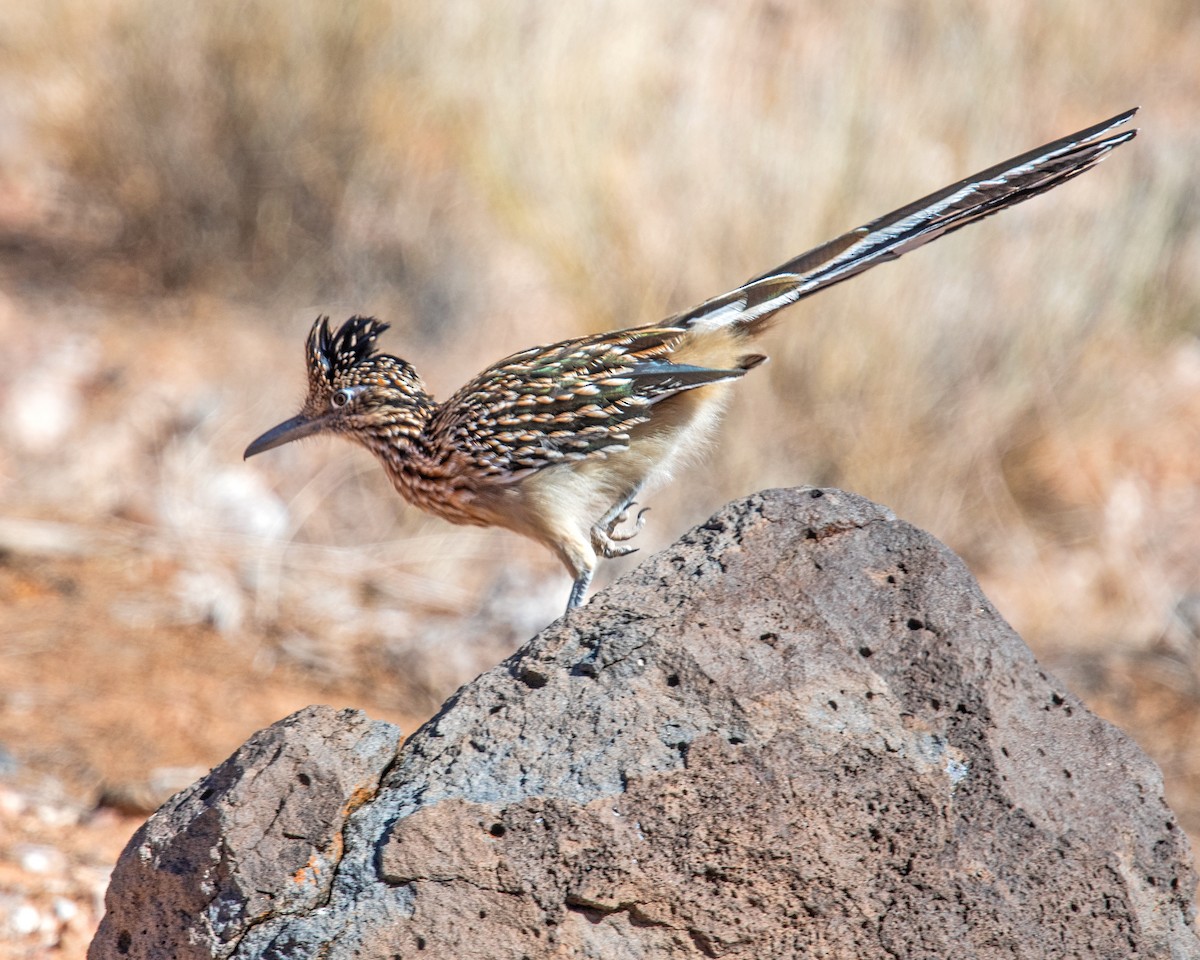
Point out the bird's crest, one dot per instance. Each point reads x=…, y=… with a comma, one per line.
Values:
x=333, y=355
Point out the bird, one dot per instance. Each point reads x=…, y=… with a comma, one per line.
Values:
x=558, y=442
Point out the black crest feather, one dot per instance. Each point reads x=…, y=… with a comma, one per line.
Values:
x=333, y=353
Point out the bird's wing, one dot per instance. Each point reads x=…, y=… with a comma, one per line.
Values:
x=912, y=226
x=565, y=402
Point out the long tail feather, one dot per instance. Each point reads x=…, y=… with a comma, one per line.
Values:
x=909, y=227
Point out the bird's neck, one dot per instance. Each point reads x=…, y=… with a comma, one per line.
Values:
x=397, y=432
x=419, y=467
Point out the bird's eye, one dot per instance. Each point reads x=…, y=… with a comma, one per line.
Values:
x=341, y=398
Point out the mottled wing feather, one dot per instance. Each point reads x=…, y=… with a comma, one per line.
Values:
x=565, y=402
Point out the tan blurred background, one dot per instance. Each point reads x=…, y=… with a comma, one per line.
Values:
x=184, y=187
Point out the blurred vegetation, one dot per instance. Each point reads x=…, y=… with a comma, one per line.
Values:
x=495, y=175
x=491, y=175
x=222, y=139
x=322, y=144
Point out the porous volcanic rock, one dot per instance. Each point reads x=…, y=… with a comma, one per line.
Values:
x=801, y=731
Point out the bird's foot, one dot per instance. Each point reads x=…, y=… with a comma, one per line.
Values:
x=620, y=518
x=606, y=546
x=606, y=540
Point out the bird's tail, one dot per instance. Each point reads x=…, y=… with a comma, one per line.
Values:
x=894, y=234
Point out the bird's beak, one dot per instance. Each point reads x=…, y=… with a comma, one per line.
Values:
x=286, y=432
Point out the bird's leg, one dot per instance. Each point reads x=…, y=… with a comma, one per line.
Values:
x=616, y=514
x=579, y=589
x=605, y=543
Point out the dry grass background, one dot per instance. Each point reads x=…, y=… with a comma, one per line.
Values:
x=184, y=187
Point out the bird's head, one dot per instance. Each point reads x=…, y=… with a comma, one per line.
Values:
x=366, y=396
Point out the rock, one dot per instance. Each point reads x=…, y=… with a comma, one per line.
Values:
x=800, y=731
x=260, y=836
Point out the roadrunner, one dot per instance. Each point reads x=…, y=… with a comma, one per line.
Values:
x=557, y=442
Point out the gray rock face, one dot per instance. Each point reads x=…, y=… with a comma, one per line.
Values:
x=800, y=731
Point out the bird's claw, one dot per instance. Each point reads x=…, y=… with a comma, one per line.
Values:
x=620, y=518
x=606, y=540
x=610, y=550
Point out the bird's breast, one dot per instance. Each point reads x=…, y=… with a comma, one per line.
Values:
x=438, y=489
